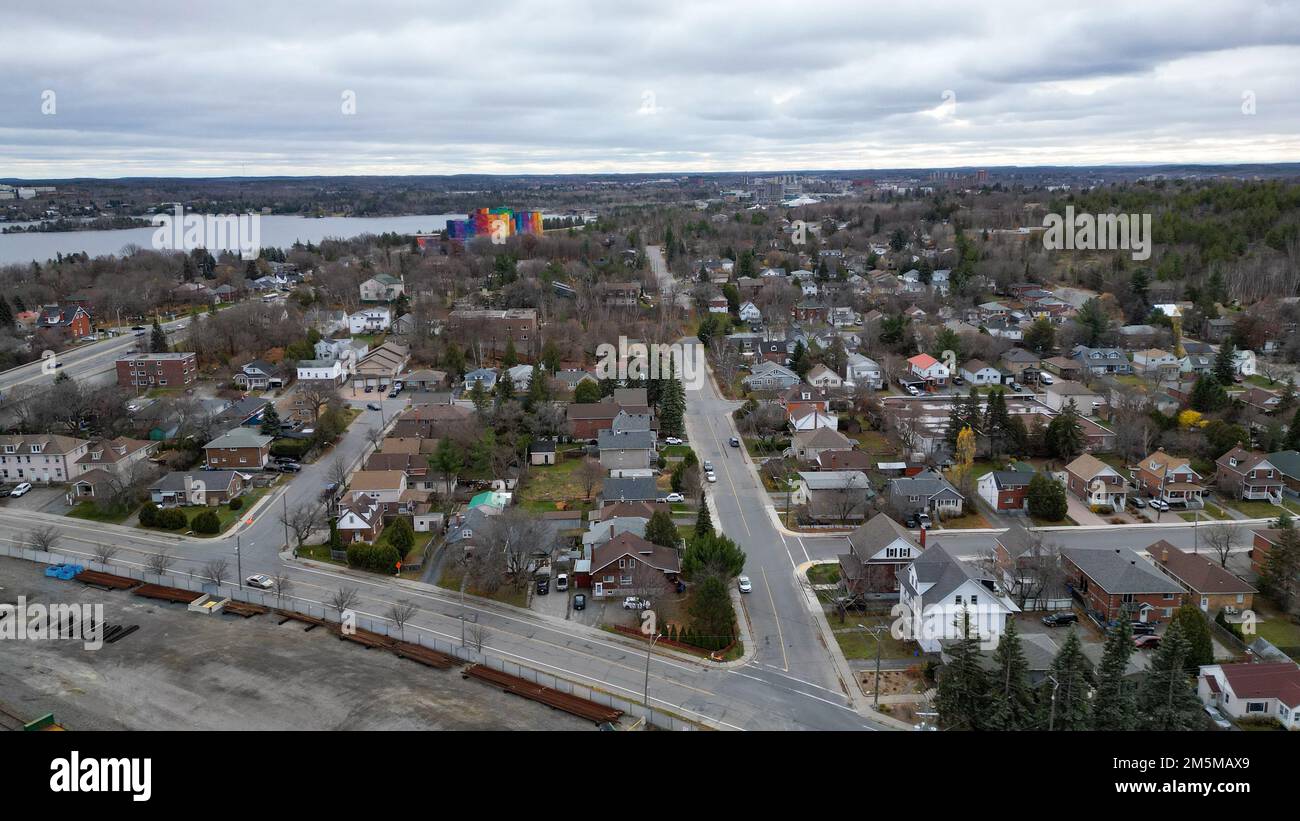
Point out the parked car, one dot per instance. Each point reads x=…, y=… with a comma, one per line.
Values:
x=562, y=582
x=1137, y=502
x=1218, y=718
x=1160, y=505
x=912, y=391
x=370, y=388
x=21, y=489
x=371, y=406
x=580, y=601
x=957, y=380
x=711, y=476
x=918, y=520
x=734, y=441
x=673, y=497
x=1147, y=642
x=672, y=440
x=635, y=603
x=261, y=581
x=708, y=467
x=744, y=584
x=543, y=587
x=290, y=467
x=1060, y=619
x=1045, y=379
x=1142, y=628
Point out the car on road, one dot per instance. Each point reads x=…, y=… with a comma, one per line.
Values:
x=1060, y=619
x=562, y=582
x=543, y=587
x=1148, y=642
x=635, y=603
x=290, y=467
x=21, y=489
x=734, y=441
x=371, y=406
x=708, y=467
x=392, y=394
x=1218, y=718
x=580, y=602
x=261, y=581
x=672, y=440
x=673, y=497
x=711, y=476
x=743, y=583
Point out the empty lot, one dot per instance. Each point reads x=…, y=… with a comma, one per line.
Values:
x=185, y=671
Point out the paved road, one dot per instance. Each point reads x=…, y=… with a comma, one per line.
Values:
x=667, y=283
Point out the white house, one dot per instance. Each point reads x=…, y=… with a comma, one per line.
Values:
x=325, y=370
x=1259, y=690
x=823, y=377
x=941, y=592
x=1243, y=362
x=928, y=368
x=861, y=370
x=978, y=372
x=749, y=312
x=370, y=320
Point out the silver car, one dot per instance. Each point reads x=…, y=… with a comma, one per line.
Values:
x=743, y=583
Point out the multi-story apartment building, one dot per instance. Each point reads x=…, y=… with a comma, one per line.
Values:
x=157, y=370
x=40, y=458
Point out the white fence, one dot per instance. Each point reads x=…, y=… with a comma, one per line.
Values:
x=382, y=626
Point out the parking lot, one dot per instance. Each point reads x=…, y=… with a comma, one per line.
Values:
x=40, y=499
x=186, y=671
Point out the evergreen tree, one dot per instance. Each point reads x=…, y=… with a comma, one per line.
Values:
x=511, y=357
x=1166, y=699
x=800, y=362
x=1114, y=706
x=963, y=684
x=1064, y=436
x=1282, y=563
x=270, y=421
x=672, y=407
x=1207, y=394
x=703, y=519
x=1073, y=677
x=1223, y=368
x=538, y=390
x=158, y=339
x=1196, y=629
x=6, y=315
x=551, y=356
x=1013, y=706
x=587, y=392
x=1293, y=432
x=505, y=389
x=1093, y=322
x=479, y=396
x=661, y=531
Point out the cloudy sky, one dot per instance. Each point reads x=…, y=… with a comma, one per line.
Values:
x=235, y=87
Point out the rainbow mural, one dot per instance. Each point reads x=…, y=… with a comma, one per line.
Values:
x=494, y=222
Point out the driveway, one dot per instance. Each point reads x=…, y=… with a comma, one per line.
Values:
x=1080, y=513
x=43, y=499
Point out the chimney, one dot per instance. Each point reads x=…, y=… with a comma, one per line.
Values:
x=923, y=530
x=1164, y=554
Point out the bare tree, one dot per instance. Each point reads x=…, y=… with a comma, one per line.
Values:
x=302, y=520
x=104, y=553
x=158, y=563
x=589, y=473
x=343, y=599
x=283, y=586
x=1220, y=539
x=477, y=636
x=215, y=571
x=44, y=539
x=401, y=611
x=849, y=499
x=505, y=549
x=337, y=473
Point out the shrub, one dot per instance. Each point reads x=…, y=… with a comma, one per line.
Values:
x=291, y=448
x=206, y=522
x=149, y=514
x=236, y=503
x=377, y=558
x=173, y=518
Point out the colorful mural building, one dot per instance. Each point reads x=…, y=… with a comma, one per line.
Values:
x=495, y=223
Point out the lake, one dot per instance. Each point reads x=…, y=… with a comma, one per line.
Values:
x=278, y=231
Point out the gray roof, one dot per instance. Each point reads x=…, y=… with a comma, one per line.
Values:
x=629, y=489
x=626, y=440
x=1017, y=540
x=215, y=479
x=1120, y=570
x=241, y=438
x=927, y=483
x=835, y=480
x=878, y=533
x=1287, y=461
x=942, y=570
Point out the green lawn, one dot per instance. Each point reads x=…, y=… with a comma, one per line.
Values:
x=1255, y=509
x=1209, y=512
x=547, y=484
x=856, y=643
x=451, y=578
x=1066, y=522
x=679, y=451
x=824, y=574
x=91, y=511
x=225, y=515
x=1280, y=631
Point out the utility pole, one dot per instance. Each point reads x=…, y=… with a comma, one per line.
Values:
x=646, y=695
x=1051, y=718
x=239, y=563
x=874, y=633
x=284, y=499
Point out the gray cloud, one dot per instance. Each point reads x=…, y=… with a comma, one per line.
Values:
x=255, y=87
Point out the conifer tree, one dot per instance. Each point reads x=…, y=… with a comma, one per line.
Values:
x=1114, y=706
x=1166, y=699
x=961, y=699
x=1013, y=706
x=1071, y=678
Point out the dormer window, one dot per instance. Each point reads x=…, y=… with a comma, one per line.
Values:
x=37, y=448
x=1233, y=461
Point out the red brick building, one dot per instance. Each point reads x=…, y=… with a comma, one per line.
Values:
x=71, y=318
x=1120, y=584
x=157, y=370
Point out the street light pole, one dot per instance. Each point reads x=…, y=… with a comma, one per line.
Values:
x=284, y=498
x=239, y=563
x=874, y=633
x=1051, y=718
x=646, y=695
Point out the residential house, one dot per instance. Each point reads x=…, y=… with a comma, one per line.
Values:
x=1118, y=584
x=430, y=421
x=926, y=367
x=1245, y=474
x=258, y=375
x=484, y=377
x=1288, y=464
x=74, y=320
x=945, y=598
x=240, y=449
x=520, y=376
x=926, y=492
x=40, y=458
x=1016, y=360
x=382, y=288
x=808, y=445
x=1260, y=400
x=978, y=372
x=1196, y=364
x=771, y=376
x=121, y=457
x=1061, y=392
x=1243, y=362
x=1006, y=491
x=383, y=487
x=1253, y=690
x=349, y=350
x=1156, y=364
x=833, y=495
x=1169, y=478
x=414, y=465
x=1063, y=367
x=573, y=377
x=878, y=550
x=861, y=370
x=749, y=312
x=1030, y=571
x=629, y=449
x=587, y=420
x=1098, y=361
x=381, y=366
x=1209, y=586
x=632, y=489
x=329, y=371
x=823, y=377
x=629, y=565
x=360, y=519
x=1095, y=482
x=370, y=320
x=206, y=487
